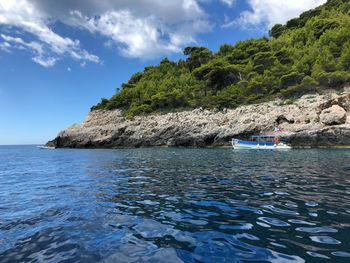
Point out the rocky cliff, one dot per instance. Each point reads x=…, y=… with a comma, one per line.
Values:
x=313, y=120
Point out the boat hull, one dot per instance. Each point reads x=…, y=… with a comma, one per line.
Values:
x=42, y=147
x=247, y=145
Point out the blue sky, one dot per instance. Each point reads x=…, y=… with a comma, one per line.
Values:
x=58, y=58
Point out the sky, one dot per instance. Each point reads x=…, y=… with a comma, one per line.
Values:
x=59, y=58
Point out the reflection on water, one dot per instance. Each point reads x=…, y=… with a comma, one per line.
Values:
x=174, y=205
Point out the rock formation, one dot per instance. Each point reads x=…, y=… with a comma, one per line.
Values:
x=313, y=120
x=333, y=115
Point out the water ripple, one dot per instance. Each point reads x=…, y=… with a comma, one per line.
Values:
x=174, y=205
x=325, y=240
x=273, y=221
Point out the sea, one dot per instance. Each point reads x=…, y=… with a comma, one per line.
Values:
x=174, y=205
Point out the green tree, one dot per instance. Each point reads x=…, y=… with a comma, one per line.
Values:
x=344, y=60
x=277, y=30
x=197, y=56
x=218, y=74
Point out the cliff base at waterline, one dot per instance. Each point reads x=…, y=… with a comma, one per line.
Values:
x=311, y=121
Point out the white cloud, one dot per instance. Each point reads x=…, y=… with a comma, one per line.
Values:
x=140, y=34
x=36, y=48
x=229, y=3
x=174, y=11
x=45, y=61
x=267, y=13
x=135, y=37
x=49, y=46
x=138, y=28
x=5, y=46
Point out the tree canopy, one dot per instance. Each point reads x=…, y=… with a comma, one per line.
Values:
x=307, y=54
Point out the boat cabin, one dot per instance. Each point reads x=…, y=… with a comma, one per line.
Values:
x=264, y=138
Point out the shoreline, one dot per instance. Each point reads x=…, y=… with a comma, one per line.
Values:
x=313, y=121
x=334, y=147
x=194, y=147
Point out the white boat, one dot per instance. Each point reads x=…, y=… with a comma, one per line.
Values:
x=260, y=142
x=43, y=147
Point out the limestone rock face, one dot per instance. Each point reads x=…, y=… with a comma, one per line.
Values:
x=306, y=122
x=333, y=115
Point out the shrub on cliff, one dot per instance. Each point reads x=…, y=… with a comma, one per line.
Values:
x=307, y=85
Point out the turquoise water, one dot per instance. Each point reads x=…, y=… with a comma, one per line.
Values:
x=174, y=205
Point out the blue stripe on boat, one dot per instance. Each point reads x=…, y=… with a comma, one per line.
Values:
x=256, y=143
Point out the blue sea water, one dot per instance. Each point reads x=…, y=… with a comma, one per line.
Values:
x=174, y=205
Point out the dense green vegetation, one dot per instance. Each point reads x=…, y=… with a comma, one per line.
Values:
x=307, y=54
